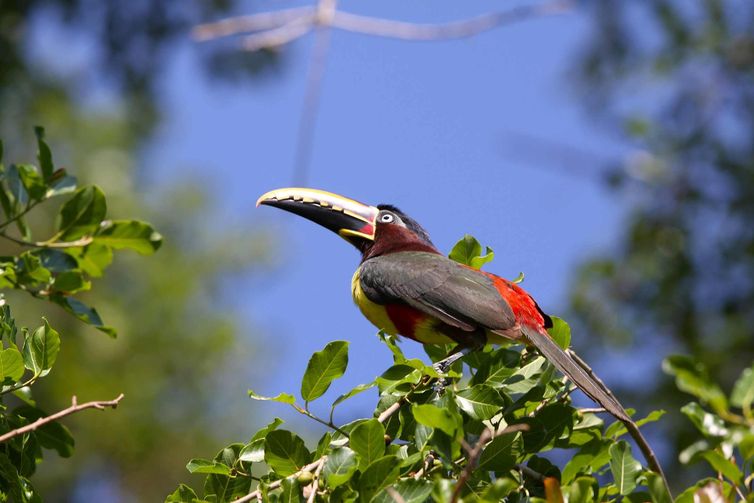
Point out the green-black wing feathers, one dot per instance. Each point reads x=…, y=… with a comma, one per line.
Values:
x=437, y=286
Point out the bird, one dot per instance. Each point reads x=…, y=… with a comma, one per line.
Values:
x=406, y=287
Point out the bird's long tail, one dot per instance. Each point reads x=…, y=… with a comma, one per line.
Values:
x=586, y=382
x=574, y=368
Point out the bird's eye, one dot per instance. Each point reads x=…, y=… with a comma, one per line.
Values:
x=386, y=218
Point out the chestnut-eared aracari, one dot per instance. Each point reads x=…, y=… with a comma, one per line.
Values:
x=405, y=286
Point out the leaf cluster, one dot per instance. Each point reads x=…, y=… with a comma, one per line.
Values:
x=55, y=269
x=483, y=432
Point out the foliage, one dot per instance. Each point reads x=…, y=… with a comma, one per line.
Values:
x=55, y=269
x=490, y=433
x=681, y=270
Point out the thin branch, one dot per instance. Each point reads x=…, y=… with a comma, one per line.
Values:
x=247, y=24
x=533, y=474
x=473, y=454
x=457, y=29
x=75, y=407
x=277, y=37
x=309, y=112
x=591, y=410
x=48, y=244
x=313, y=492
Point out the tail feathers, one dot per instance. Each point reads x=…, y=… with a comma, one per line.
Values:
x=587, y=383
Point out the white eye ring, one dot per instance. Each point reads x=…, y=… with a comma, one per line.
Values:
x=386, y=218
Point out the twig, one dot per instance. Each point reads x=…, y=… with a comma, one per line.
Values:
x=75, y=407
x=314, y=483
x=309, y=112
x=395, y=495
x=279, y=36
x=48, y=244
x=247, y=24
x=591, y=410
x=457, y=29
x=257, y=494
x=474, y=452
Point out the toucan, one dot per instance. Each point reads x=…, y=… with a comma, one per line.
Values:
x=405, y=286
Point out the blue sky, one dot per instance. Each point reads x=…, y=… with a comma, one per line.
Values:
x=432, y=127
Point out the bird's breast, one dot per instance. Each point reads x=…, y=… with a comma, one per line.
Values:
x=396, y=318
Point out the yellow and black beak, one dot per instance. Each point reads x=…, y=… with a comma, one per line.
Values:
x=350, y=219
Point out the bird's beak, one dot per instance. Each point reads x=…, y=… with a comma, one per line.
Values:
x=350, y=219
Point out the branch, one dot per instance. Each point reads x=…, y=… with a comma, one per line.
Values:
x=316, y=464
x=280, y=36
x=48, y=244
x=247, y=24
x=315, y=478
x=474, y=452
x=457, y=29
x=75, y=407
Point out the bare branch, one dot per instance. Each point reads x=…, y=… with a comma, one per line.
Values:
x=453, y=30
x=279, y=36
x=75, y=407
x=247, y=24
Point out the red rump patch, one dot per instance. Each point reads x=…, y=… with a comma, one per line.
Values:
x=524, y=308
x=405, y=318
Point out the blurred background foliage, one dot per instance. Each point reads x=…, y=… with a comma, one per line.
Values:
x=178, y=342
x=681, y=277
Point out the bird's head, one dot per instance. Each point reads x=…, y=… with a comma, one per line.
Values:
x=373, y=230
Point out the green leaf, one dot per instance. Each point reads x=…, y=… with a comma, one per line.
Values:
x=70, y=282
x=198, y=465
x=499, y=489
x=83, y=312
x=480, y=401
x=32, y=181
x=624, y=467
x=285, y=452
x=82, y=214
x=184, y=494
x=11, y=365
x=743, y=391
x=51, y=435
x=691, y=376
x=324, y=367
x=468, y=251
x=41, y=349
x=723, y=465
x=93, y=259
x=560, y=332
x=345, y=396
x=380, y=473
x=291, y=492
x=410, y=491
x=436, y=417
x=709, y=424
x=657, y=489
x=253, y=452
x=368, y=441
x=282, y=397
x=527, y=377
x=134, y=234
x=44, y=155
x=582, y=490
x=340, y=465
x=501, y=454
x=270, y=427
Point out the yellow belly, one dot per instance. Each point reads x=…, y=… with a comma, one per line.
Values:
x=425, y=332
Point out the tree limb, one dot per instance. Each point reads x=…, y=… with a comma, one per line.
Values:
x=75, y=407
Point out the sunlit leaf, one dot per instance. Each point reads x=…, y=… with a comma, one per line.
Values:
x=324, y=367
x=340, y=465
x=41, y=349
x=282, y=397
x=81, y=214
x=11, y=365
x=133, y=234
x=624, y=467
x=285, y=452
x=198, y=465
x=368, y=441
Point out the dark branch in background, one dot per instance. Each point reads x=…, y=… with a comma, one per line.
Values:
x=271, y=30
x=75, y=407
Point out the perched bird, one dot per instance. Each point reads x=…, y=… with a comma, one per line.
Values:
x=406, y=287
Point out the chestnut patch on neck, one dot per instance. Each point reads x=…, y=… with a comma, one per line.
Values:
x=391, y=238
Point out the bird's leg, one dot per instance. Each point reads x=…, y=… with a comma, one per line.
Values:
x=467, y=343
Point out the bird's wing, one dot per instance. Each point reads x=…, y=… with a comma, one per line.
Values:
x=459, y=296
